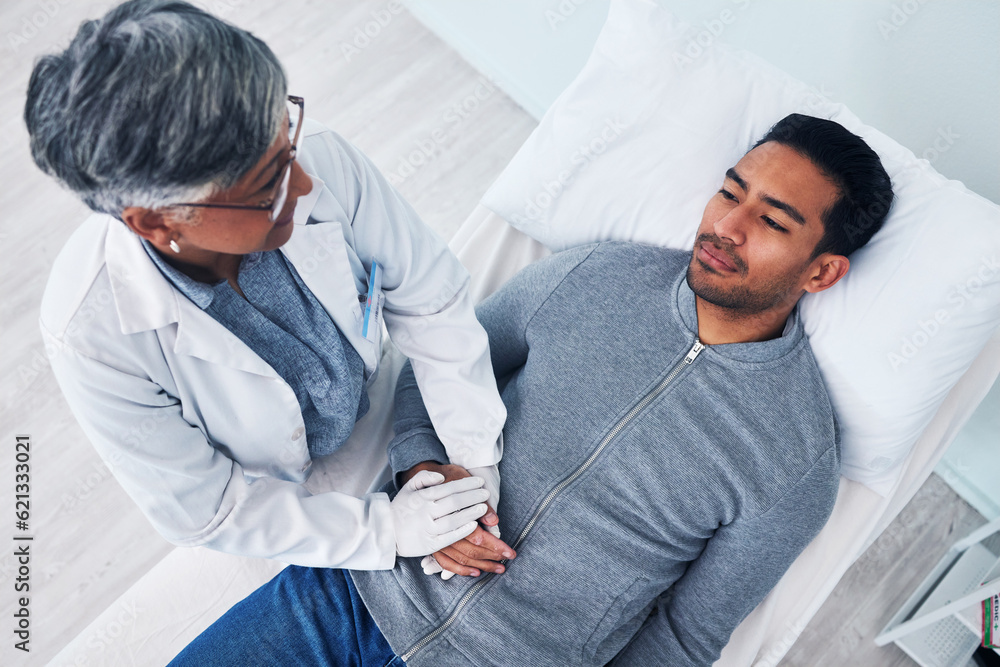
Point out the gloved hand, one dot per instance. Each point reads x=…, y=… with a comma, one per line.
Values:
x=491, y=477
x=428, y=515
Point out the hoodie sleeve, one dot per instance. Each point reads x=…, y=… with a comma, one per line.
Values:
x=505, y=315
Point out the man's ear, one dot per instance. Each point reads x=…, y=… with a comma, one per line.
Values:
x=149, y=224
x=829, y=269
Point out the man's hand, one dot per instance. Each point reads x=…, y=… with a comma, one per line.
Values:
x=478, y=552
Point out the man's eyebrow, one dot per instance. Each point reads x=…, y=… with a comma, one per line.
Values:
x=787, y=208
x=733, y=176
x=768, y=199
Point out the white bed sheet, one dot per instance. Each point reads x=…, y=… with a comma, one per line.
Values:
x=190, y=588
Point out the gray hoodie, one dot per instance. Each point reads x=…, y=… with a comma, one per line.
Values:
x=655, y=489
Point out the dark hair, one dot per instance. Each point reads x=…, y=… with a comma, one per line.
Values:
x=845, y=158
x=157, y=102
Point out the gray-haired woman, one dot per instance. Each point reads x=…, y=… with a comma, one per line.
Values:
x=217, y=324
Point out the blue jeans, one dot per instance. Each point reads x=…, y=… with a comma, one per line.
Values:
x=304, y=616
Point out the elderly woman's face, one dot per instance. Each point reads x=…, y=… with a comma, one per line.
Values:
x=209, y=231
x=240, y=231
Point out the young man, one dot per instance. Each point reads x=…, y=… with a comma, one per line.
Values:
x=670, y=445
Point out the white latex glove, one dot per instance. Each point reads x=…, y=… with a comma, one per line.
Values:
x=491, y=477
x=431, y=566
x=429, y=515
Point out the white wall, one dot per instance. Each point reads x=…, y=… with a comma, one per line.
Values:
x=925, y=73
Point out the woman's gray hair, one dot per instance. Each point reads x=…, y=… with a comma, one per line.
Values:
x=156, y=103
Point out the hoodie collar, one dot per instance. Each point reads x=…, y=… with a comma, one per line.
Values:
x=686, y=311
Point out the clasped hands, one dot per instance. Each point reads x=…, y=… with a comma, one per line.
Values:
x=479, y=551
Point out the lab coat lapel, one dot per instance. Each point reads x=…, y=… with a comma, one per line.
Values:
x=146, y=300
x=319, y=254
x=200, y=335
x=143, y=297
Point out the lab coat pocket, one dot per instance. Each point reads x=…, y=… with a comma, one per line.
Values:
x=371, y=325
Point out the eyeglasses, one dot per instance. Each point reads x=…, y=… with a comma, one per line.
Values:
x=276, y=201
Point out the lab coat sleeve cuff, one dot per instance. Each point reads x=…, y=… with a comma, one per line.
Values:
x=413, y=448
x=385, y=537
x=478, y=457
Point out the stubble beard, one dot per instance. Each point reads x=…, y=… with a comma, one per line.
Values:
x=740, y=300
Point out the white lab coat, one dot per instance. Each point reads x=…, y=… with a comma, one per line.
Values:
x=202, y=433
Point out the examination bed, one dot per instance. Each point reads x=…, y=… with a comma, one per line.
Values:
x=190, y=588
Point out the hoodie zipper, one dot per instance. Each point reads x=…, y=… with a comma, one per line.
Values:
x=629, y=416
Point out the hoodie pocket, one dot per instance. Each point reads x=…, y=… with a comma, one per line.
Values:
x=614, y=628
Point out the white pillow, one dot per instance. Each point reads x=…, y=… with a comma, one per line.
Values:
x=638, y=143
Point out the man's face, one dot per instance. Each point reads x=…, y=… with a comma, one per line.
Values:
x=757, y=235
